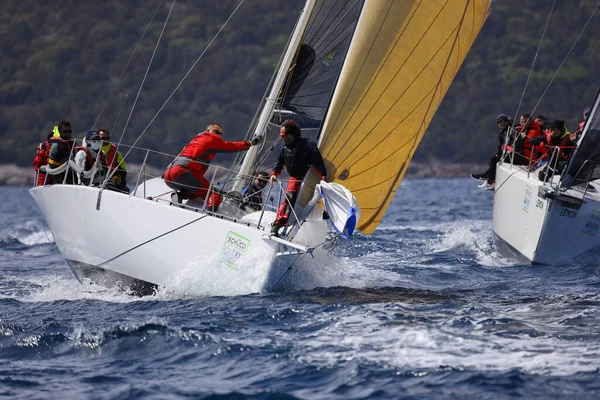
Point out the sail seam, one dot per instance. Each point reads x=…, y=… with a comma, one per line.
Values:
x=405, y=90
x=407, y=23
x=438, y=85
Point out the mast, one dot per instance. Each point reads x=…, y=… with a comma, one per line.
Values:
x=271, y=100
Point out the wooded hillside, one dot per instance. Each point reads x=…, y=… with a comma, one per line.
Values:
x=66, y=59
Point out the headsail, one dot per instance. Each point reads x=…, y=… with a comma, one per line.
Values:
x=584, y=166
x=403, y=57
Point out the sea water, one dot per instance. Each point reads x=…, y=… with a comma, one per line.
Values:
x=424, y=308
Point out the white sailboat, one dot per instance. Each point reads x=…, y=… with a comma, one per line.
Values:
x=363, y=77
x=554, y=220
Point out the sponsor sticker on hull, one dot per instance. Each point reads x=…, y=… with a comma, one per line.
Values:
x=592, y=224
x=527, y=198
x=235, y=245
x=567, y=212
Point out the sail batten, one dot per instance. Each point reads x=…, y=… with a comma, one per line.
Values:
x=402, y=60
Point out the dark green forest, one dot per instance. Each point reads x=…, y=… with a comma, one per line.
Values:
x=73, y=60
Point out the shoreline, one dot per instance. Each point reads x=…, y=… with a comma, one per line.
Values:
x=13, y=175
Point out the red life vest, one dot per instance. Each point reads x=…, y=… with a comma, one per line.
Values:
x=90, y=158
x=111, y=156
x=533, y=130
x=41, y=157
x=564, y=142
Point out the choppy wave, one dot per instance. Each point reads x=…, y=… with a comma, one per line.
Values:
x=424, y=308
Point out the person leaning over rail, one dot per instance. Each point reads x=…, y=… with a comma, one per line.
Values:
x=253, y=192
x=60, y=151
x=115, y=161
x=298, y=155
x=88, y=157
x=507, y=134
x=185, y=174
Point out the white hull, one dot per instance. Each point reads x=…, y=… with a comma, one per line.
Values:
x=543, y=229
x=144, y=244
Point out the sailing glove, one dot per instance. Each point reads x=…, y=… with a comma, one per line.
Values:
x=256, y=140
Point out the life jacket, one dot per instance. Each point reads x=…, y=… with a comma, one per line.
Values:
x=41, y=157
x=111, y=156
x=91, y=158
x=533, y=131
x=58, y=139
x=563, y=142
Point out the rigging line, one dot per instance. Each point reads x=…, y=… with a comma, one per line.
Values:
x=151, y=240
x=238, y=157
x=289, y=268
x=534, y=60
x=506, y=180
x=127, y=64
x=185, y=76
x=567, y=56
x=137, y=96
x=119, y=113
x=286, y=199
x=267, y=153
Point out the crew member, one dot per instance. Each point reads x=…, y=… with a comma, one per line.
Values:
x=41, y=159
x=253, y=192
x=89, y=156
x=115, y=161
x=507, y=134
x=525, y=151
x=185, y=174
x=298, y=155
x=60, y=151
x=560, y=146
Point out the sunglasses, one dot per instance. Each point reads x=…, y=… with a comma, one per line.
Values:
x=104, y=137
x=67, y=131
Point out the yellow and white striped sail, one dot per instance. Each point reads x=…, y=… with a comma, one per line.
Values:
x=403, y=58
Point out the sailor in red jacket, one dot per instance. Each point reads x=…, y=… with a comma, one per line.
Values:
x=186, y=172
x=526, y=151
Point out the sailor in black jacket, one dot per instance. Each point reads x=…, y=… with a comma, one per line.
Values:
x=298, y=155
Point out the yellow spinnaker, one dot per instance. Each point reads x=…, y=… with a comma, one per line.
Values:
x=403, y=58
